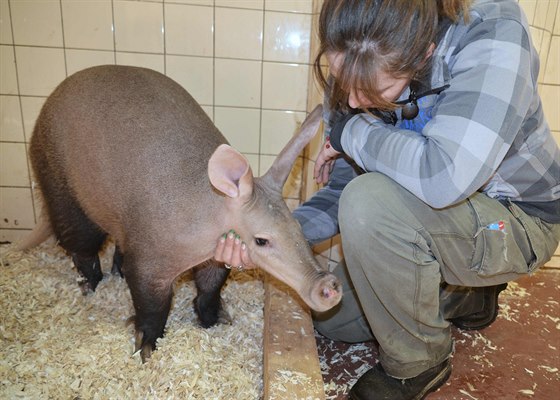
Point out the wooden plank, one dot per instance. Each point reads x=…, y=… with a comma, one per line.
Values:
x=291, y=363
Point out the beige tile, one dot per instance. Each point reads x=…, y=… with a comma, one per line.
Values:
x=252, y=4
x=13, y=165
x=194, y=74
x=17, y=208
x=550, y=96
x=193, y=2
x=542, y=18
x=11, y=125
x=8, y=76
x=557, y=21
x=31, y=107
x=5, y=24
x=240, y=126
x=537, y=38
x=529, y=7
x=152, y=61
x=544, y=54
x=76, y=60
x=336, y=249
x=138, y=26
x=278, y=127
x=40, y=69
x=239, y=33
x=13, y=235
x=88, y=24
x=36, y=22
x=285, y=86
x=556, y=135
x=551, y=15
x=238, y=83
x=287, y=37
x=552, y=67
x=189, y=30
x=296, y=6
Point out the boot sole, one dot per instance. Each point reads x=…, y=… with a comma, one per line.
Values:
x=432, y=386
x=435, y=383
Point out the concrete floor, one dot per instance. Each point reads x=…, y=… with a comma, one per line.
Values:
x=517, y=357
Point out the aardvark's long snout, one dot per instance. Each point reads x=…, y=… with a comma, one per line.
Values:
x=324, y=293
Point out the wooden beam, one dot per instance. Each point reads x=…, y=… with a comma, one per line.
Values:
x=291, y=363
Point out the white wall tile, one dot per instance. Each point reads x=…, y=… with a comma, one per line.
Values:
x=189, y=30
x=286, y=37
x=239, y=33
x=252, y=4
x=298, y=6
x=5, y=23
x=152, y=61
x=31, y=107
x=285, y=86
x=17, y=208
x=194, y=74
x=277, y=129
x=238, y=83
x=293, y=182
x=36, y=22
x=240, y=126
x=13, y=165
x=8, y=76
x=88, y=24
x=76, y=60
x=253, y=162
x=40, y=69
x=138, y=26
x=209, y=110
x=11, y=125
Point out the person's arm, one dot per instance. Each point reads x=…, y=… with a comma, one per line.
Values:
x=474, y=121
x=318, y=216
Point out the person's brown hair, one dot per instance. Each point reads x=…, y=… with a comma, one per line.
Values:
x=392, y=36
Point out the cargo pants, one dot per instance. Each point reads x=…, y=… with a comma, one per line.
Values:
x=409, y=268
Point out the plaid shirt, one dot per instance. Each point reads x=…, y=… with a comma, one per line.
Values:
x=485, y=132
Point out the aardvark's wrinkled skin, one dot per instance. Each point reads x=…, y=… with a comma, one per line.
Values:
x=126, y=152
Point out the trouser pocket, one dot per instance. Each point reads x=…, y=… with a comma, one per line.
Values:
x=509, y=241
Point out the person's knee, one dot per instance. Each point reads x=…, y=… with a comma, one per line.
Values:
x=364, y=200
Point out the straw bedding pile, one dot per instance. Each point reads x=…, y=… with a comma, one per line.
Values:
x=57, y=343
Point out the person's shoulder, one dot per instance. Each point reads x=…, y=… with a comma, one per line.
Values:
x=497, y=9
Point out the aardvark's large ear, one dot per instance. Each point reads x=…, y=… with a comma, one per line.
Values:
x=230, y=172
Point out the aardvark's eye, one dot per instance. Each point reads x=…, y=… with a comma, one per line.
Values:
x=261, y=241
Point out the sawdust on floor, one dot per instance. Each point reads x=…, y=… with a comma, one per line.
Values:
x=57, y=343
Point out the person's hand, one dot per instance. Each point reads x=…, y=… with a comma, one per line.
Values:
x=325, y=163
x=233, y=252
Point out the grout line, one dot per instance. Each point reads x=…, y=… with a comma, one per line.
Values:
x=25, y=136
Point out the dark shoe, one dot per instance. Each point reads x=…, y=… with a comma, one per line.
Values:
x=375, y=384
x=484, y=318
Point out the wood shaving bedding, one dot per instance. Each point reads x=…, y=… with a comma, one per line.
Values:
x=57, y=343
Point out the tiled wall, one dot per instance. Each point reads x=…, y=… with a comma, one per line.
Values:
x=245, y=61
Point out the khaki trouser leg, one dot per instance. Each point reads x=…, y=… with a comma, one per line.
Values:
x=399, y=250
